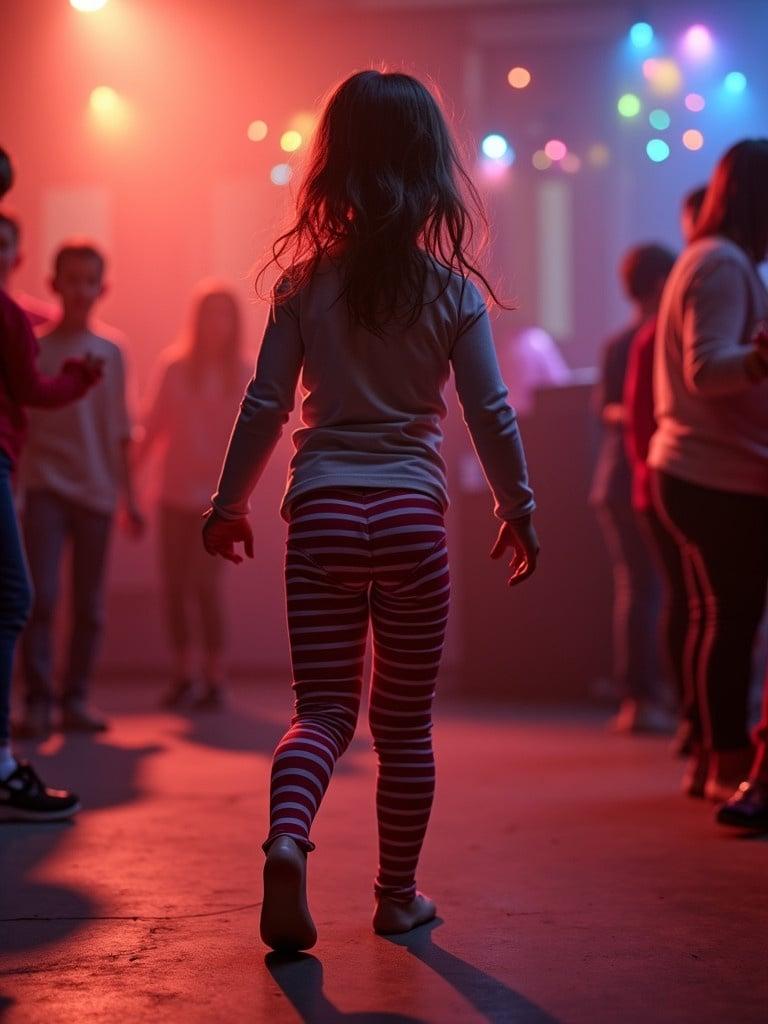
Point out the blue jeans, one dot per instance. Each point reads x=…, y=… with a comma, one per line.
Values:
x=51, y=521
x=15, y=591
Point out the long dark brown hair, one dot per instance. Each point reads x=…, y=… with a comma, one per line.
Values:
x=736, y=203
x=385, y=193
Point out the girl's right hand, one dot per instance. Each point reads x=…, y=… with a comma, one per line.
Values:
x=520, y=536
x=221, y=535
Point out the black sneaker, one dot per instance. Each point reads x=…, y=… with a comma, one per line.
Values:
x=25, y=797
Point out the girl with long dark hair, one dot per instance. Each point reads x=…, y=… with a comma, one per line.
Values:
x=709, y=456
x=374, y=306
x=189, y=418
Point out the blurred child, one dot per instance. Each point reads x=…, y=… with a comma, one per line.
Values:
x=23, y=795
x=76, y=466
x=637, y=665
x=374, y=310
x=199, y=385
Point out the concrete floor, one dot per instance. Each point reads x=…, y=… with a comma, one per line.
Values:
x=573, y=884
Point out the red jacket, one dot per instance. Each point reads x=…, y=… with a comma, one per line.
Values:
x=20, y=382
x=640, y=421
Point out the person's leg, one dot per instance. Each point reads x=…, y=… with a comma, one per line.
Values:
x=91, y=533
x=15, y=605
x=327, y=603
x=409, y=611
x=636, y=607
x=46, y=526
x=175, y=547
x=327, y=577
x=680, y=597
x=727, y=535
x=208, y=588
x=23, y=795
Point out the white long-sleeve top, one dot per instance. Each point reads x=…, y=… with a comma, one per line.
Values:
x=372, y=407
x=712, y=419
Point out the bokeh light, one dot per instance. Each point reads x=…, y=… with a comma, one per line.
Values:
x=495, y=147
x=698, y=42
x=540, y=160
x=641, y=35
x=693, y=139
x=519, y=78
x=663, y=74
x=257, y=131
x=290, y=141
x=598, y=155
x=571, y=163
x=659, y=119
x=86, y=6
x=104, y=100
x=556, y=150
x=281, y=174
x=695, y=102
x=629, y=105
x=735, y=82
x=657, y=150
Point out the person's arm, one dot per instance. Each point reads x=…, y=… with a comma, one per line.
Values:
x=25, y=383
x=264, y=411
x=135, y=522
x=155, y=421
x=715, y=361
x=492, y=424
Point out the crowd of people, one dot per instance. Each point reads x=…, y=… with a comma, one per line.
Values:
x=681, y=486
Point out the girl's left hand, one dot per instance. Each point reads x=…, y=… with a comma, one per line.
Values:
x=221, y=535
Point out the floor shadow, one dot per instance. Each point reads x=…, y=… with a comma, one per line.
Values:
x=497, y=1002
x=236, y=730
x=300, y=976
x=34, y=913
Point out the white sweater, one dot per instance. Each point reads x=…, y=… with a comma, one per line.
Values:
x=372, y=407
x=712, y=419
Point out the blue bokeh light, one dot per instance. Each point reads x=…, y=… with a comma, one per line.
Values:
x=735, y=82
x=641, y=35
x=495, y=147
x=657, y=150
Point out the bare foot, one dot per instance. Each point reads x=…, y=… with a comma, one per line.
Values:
x=286, y=924
x=391, y=918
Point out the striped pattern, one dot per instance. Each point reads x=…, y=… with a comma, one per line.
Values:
x=355, y=557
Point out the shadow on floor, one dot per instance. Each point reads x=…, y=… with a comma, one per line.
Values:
x=33, y=912
x=497, y=1002
x=233, y=729
x=300, y=976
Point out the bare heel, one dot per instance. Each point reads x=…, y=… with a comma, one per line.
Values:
x=286, y=923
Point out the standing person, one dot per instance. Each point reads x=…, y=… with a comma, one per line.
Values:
x=199, y=385
x=639, y=428
x=23, y=795
x=637, y=666
x=373, y=310
x=76, y=466
x=38, y=313
x=709, y=455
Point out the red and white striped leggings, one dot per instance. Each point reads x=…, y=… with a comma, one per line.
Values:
x=358, y=556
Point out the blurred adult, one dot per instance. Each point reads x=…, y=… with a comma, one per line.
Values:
x=197, y=391
x=709, y=456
